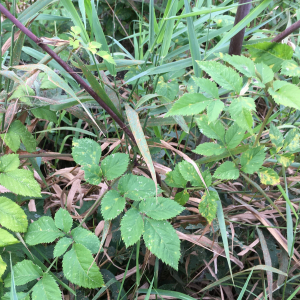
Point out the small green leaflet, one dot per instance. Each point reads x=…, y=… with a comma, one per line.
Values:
x=222, y=75
x=78, y=267
x=132, y=226
x=291, y=141
x=160, y=208
x=109, y=163
x=12, y=216
x=3, y=266
x=106, y=56
x=87, y=238
x=208, y=206
x=7, y=238
x=285, y=159
x=252, y=159
x=112, y=205
x=45, y=113
x=175, y=179
x=46, y=288
x=161, y=239
x=189, y=104
x=167, y=89
x=92, y=174
x=234, y=136
x=214, y=109
x=182, y=197
x=265, y=72
x=290, y=68
x=63, y=220
x=208, y=149
x=9, y=162
x=42, y=230
x=268, y=176
x=62, y=246
x=227, y=171
x=207, y=86
x=276, y=137
x=213, y=130
x=23, y=92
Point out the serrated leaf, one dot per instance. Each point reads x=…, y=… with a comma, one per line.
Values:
x=213, y=130
x=7, y=238
x=87, y=238
x=214, y=109
x=62, y=246
x=45, y=113
x=222, y=75
x=175, y=179
x=24, y=272
x=112, y=205
x=132, y=226
x=252, y=159
x=23, y=93
x=268, y=176
x=167, y=89
x=208, y=149
x=234, y=136
x=86, y=152
x=21, y=182
x=189, y=173
x=92, y=174
x=12, y=215
x=208, y=206
x=189, y=104
x=285, y=159
x=80, y=269
x=290, y=68
x=242, y=63
x=3, y=266
x=266, y=73
x=21, y=296
x=182, y=197
x=207, y=86
x=291, y=141
x=136, y=187
x=63, y=220
x=42, y=230
x=276, y=137
x=114, y=165
x=240, y=110
x=227, y=171
x=160, y=208
x=9, y=162
x=272, y=54
x=161, y=239
x=46, y=289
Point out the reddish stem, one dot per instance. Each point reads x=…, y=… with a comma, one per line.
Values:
x=286, y=32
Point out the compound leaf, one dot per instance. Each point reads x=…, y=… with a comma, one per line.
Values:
x=114, y=165
x=112, y=205
x=209, y=149
x=213, y=130
x=234, y=136
x=207, y=86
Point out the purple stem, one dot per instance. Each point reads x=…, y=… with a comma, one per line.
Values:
x=286, y=32
x=83, y=84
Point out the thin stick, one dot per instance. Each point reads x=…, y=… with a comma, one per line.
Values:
x=286, y=32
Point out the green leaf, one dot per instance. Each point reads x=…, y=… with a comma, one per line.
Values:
x=42, y=230
x=136, y=187
x=45, y=113
x=227, y=171
x=112, y=205
x=46, y=288
x=252, y=159
x=234, y=136
x=24, y=272
x=214, y=109
x=167, y=89
x=9, y=162
x=12, y=215
x=268, y=176
x=265, y=72
x=62, y=246
x=3, y=266
x=23, y=93
x=114, y=165
x=107, y=57
x=80, y=269
x=16, y=132
x=242, y=63
x=291, y=141
x=161, y=239
x=272, y=54
x=290, y=68
x=222, y=75
x=182, y=197
x=87, y=238
x=132, y=226
x=209, y=149
x=207, y=86
x=86, y=152
x=175, y=179
x=276, y=137
x=213, y=130
x=160, y=208
x=208, y=206
x=21, y=296
x=189, y=104
x=21, y=182
x=63, y=220
x=6, y=237
x=240, y=110
x=92, y=174
x=285, y=159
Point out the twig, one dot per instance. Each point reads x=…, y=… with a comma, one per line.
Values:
x=286, y=32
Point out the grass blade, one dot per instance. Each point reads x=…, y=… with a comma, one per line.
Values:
x=244, y=287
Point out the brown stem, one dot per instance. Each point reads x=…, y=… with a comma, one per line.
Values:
x=83, y=84
x=286, y=32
